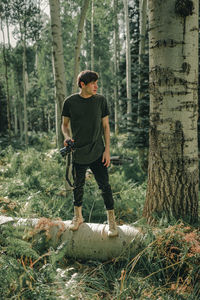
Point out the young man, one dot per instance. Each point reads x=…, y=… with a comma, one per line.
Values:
x=87, y=114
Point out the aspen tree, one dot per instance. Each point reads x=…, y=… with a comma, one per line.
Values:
x=78, y=44
x=116, y=67
x=128, y=67
x=173, y=174
x=92, y=35
x=58, y=65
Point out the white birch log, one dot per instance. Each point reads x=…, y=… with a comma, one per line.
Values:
x=91, y=241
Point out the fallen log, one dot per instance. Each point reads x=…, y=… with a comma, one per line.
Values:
x=90, y=242
x=120, y=160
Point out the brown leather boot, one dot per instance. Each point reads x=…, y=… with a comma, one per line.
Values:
x=112, y=230
x=77, y=219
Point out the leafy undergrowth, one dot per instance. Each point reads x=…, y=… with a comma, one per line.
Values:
x=32, y=185
x=166, y=267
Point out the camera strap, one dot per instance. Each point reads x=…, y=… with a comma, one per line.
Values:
x=69, y=175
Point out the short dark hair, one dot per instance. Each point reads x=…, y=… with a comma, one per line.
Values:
x=87, y=76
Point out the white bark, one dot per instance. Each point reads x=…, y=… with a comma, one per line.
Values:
x=143, y=152
x=20, y=121
x=173, y=175
x=78, y=44
x=92, y=35
x=128, y=67
x=116, y=67
x=58, y=65
x=15, y=118
x=6, y=81
x=89, y=242
x=143, y=22
x=25, y=82
x=100, y=75
x=8, y=33
x=25, y=79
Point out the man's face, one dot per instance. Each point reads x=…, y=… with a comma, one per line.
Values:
x=91, y=88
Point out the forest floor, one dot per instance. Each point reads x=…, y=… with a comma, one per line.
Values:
x=32, y=185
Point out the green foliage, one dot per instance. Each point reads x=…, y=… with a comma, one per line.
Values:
x=24, y=279
x=122, y=146
x=169, y=261
x=15, y=246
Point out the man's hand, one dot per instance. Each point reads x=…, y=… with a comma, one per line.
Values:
x=66, y=141
x=106, y=158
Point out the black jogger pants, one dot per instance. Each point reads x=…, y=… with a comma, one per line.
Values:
x=101, y=175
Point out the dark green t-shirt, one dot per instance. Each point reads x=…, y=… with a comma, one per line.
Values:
x=86, y=123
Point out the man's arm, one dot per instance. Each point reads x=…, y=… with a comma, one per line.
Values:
x=106, y=130
x=66, y=129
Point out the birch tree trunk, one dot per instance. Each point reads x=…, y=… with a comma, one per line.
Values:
x=19, y=109
x=6, y=81
x=128, y=68
x=116, y=67
x=143, y=152
x=23, y=32
x=25, y=83
x=143, y=22
x=92, y=35
x=78, y=44
x=100, y=75
x=15, y=118
x=173, y=174
x=8, y=32
x=58, y=66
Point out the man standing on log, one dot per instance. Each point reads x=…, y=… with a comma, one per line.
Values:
x=87, y=113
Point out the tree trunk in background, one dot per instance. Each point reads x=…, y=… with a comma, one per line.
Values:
x=143, y=152
x=86, y=37
x=19, y=109
x=78, y=44
x=20, y=122
x=25, y=83
x=7, y=82
x=100, y=75
x=15, y=101
x=15, y=118
x=58, y=66
x=173, y=174
x=36, y=57
x=143, y=22
x=119, y=80
x=22, y=26
x=128, y=68
x=92, y=35
x=8, y=32
x=37, y=38
x=116, y=67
